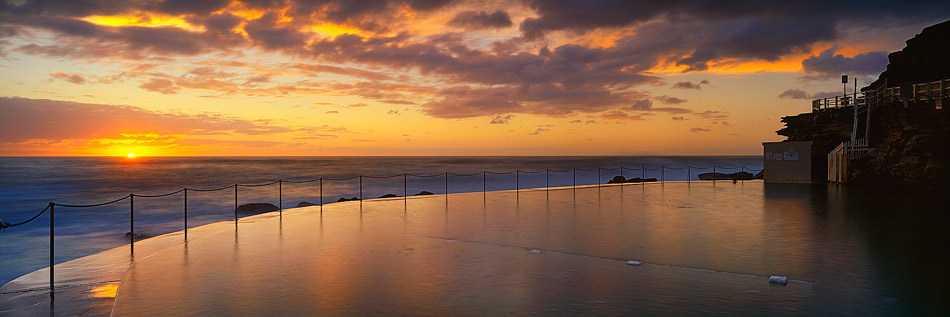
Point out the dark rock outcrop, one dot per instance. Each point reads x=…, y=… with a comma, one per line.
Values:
x=924, y=59
x=759, y=175
x=137, y=236
x=305, y=204
x=724, y=176
x=423, y=193
x=617, y=180
x=342, y=199
x=641, y=180
x=389, y=196
x=910, y=143
x=256, y=208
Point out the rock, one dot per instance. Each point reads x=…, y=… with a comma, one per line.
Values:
x=617, y=180
x=724, y=176
x=759, y=175
x=342, y=199
x=924, y=59
x=423, y=193
x=389, y=196
x=256, y=208
x=305, y=204
x=640, y=180
x=137, y=236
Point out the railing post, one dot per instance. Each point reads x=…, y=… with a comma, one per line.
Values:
x=688, y=173
x=643, y=174
x=186, y=213
x=235, y=204
x=662, y=173
x=484, y=183
x=405, y=186
x=547, y=180
x=280, y=197
x=517, y=180
x=574, y=178
x=321, y=195
x=742, y=170
x=52, y=212
x=132, y=222
x=598, y=177
x=361, y=190
x=714, y=174
x=621, y=176
x=446, y=180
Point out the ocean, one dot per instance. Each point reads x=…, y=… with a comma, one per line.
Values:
x=28, y=184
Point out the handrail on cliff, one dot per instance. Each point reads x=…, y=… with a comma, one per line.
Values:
x=937, y=91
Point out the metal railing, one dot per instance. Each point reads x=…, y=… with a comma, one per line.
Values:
x=936, y=92
x=52, y=206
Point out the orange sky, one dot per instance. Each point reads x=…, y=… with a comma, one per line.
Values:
x=418, y=77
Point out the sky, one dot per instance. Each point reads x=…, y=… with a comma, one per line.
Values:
x=429, y=77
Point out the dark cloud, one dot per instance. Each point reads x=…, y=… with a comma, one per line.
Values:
x=348, y=71
x=646, y=105
x=678, y=118
x=712, y=114
x=27, y=119
x=670, y=100
x=474, y=20
x=73, y=78
x=268, y=33
x=793, y=94
x=695, y=130
x=831, y=64
x=332, y=112
x=690, y=85
x=499, y=119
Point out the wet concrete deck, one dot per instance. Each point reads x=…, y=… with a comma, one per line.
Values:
x=705, y=247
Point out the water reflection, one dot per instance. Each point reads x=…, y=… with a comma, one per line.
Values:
x=706, y=248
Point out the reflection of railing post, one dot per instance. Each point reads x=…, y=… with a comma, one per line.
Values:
x=186, y=213
x=235, y=204
x=52, y=207
x=446, y=185
x=132, y=222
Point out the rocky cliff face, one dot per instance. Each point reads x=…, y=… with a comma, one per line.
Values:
x=912, y=145
x=925, y=58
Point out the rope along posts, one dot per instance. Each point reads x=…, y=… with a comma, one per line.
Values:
x=184, y=191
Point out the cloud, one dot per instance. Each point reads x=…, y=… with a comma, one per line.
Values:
x=678, y=118
x=695, y=130
x=690, y=85
x=73, y=78
x=43, y=119
x=499, y=119
x=538, y=131
x=475, y=20
x=620, y=115
x=160, y=85
x=828, y=64
x=392, y=112
x=576, y=121
x=646, y=105
x=331, y=112
x=670, y=100
x=793, y=94
x=357, y=105
x=712, y=114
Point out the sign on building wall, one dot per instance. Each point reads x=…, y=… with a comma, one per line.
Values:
x=791, y=155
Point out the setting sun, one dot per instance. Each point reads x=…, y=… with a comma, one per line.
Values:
x=131, y=155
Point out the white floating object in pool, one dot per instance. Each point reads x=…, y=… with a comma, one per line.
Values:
x=634, y=263
x=535, y=251
x=778, y=280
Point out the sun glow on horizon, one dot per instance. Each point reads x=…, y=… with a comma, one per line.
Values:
x=131, y=155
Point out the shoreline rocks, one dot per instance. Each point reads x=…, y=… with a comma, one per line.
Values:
x=256, y=208
x=725, y=176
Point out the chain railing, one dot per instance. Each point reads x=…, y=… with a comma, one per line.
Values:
x=51, y=207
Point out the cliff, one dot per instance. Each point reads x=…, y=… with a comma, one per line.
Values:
x=912, y=144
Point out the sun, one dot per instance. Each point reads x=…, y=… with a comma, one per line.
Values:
x=131, y=155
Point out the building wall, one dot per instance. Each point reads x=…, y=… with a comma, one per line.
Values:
x=793, y=162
